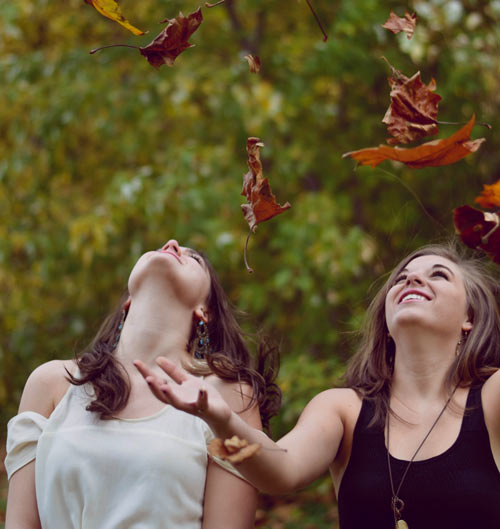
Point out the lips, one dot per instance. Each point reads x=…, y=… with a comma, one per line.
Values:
x=413, y=295
x=171, y=253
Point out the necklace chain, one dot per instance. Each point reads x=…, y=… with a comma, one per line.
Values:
x=397, y=503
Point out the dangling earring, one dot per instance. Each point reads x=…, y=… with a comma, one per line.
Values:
x=202, y=347
x=119, y=330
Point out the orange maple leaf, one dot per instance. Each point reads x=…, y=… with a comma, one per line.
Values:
x=397, y=24
x=111, y=10
x=431, y=154
x=478, y=229
x=490, y=196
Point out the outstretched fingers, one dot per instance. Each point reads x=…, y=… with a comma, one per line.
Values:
x=177, y=374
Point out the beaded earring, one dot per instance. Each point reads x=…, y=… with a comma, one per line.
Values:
x=202, y=347
x=119, y=330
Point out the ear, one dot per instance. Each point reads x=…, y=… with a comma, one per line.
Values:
x=126, y=305
x=467, y=325
x=201, y=313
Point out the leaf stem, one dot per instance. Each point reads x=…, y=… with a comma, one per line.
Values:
x=250, y=270
x=415, y=196
x=113, y=46
x=487, y=125
x=207, y=4
x=325, y=36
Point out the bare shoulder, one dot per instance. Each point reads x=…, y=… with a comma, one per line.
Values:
x=491, y=400
x=239, y=396
x=46, y=386
x=343, y=403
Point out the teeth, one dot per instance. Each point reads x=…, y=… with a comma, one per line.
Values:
x=414, y=296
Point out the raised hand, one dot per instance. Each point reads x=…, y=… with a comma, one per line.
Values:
x=186, y=392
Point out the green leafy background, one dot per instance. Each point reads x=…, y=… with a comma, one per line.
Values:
x=103, y=157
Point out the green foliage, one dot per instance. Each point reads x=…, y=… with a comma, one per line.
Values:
x=102, y=157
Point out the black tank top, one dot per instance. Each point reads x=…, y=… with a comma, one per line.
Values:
x=458, y=489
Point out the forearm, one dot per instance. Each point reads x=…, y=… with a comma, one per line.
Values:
x=271, y=470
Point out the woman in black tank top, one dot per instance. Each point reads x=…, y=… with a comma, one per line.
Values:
x=414, y=439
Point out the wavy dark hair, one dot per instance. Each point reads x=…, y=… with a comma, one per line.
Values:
x=230, y=359
x=370, y=370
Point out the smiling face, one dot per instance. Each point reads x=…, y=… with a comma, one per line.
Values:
x=180, y=269
x=428, y=292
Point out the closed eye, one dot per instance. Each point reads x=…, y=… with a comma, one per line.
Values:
x=399, y=278
x=440, y=273
x=196, y=257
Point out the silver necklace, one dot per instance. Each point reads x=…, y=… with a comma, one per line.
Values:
x=397, y=503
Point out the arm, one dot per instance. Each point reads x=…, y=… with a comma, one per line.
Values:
x=42, y=388
x=230, y=502
x=296, y=460
x=491, y=408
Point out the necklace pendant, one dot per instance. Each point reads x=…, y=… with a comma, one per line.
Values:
x=401, y=524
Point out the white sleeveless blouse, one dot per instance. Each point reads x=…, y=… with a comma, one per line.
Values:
x=115, y=474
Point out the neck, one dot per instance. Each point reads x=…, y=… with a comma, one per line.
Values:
x=421, y=364
x=156, y=325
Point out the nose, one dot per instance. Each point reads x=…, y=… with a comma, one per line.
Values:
x=414, y=278
x=173, y=246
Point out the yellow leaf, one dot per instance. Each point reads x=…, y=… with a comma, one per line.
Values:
x=110, y=9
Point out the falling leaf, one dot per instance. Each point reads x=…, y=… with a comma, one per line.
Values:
x=478, y=229
x=234, y=450
x=490, y=196
x=431, y=154
x=413, y=110
x=171, y=42
x=110, y=9
x=397, y=24
x=262, y=203
x=254, y=63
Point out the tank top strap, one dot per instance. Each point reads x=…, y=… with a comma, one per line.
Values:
x=473, y=417
x=365, y=416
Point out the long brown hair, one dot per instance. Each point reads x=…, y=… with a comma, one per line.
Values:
x=370, y=370
x=230, y=359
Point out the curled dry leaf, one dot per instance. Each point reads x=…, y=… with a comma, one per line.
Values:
x=490, y=196
x=234, y=450
x=262, y=203
x=397, y=24
x=413, y=110
x=254, y=63
x=111, y=9
x=171, y=42
x=479, y=229
x=431, y=154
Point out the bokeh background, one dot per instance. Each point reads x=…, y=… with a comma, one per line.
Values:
x=103, y=157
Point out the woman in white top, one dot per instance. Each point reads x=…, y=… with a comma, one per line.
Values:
x=92, y=448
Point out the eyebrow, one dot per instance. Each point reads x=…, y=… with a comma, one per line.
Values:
x=433, y=267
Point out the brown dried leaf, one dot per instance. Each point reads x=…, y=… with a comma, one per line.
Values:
x=413, y=110
x=173, y=40
x=262, y=203
x=254, y=63
x=431, y=154
x=397, y=24
x=111, y=10
x=479, y=229
x=490, y=196
x=234, y=450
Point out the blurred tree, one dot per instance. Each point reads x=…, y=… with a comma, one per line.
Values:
x=103, y=157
